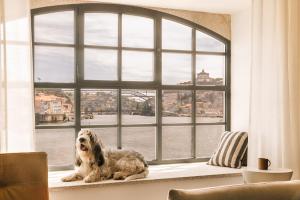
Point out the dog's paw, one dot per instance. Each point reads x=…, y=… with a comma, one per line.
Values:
x=71, y=177
x=66, y=179
x=89, y=180
x=118, y=176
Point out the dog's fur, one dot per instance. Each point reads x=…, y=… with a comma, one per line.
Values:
x=94, y=163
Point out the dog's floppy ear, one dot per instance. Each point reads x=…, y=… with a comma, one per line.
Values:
x=99, y=158
x=78, y=161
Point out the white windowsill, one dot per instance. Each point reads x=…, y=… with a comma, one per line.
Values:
x=156, y=173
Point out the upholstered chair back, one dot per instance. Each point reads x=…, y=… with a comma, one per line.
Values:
x=23, y=176
x=289, y=190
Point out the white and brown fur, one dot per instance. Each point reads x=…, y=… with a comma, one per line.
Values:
x=95, y=163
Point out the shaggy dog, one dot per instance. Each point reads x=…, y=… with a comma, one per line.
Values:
x=94, y=163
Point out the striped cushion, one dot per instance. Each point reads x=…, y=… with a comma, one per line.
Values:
x=230, y=150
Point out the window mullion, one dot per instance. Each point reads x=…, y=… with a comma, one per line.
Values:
x=158, y=75
x=194, y=94
x=228, y=87
x=119, y=136
x=78, y=34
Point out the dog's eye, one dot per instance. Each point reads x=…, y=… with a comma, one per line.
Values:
x=91, y=137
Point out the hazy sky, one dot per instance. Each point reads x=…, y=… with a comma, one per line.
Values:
x=56, y=64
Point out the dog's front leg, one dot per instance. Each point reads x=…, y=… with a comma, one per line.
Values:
x=93, y=176
x=72, y=177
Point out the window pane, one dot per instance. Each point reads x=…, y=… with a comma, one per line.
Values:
x=137, y=31
x=54, y=107
x=108, y=136
x=59, y=144
x=138, y=106
x=177, y=142
x=210, y=70
x=98, y=107
x=55, y=27
x=176, y=106
x=137, y=66
x=176, y=69
x=207, y=139
x=140, y=139
x=100, y=64
x=101, y=29
x=205, y=42
x=53, y=64
x=176, y=35
x=210, y=106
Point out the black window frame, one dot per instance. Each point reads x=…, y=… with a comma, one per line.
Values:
x=156, y=84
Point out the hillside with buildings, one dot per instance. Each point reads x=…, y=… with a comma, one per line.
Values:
x=57, y=105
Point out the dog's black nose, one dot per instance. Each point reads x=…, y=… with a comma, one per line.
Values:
x=81, y=139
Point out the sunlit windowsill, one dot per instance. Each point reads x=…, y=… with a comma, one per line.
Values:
x=180, y=171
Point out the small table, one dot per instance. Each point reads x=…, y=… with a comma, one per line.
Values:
x=252, y=175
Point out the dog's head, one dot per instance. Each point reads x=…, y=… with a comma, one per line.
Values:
x=88, y=146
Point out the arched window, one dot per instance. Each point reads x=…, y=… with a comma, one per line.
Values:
x=141, y=79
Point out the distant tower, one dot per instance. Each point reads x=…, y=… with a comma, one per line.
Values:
x=203, y=76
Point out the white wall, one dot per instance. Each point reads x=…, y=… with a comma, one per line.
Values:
x=152, y=190
x=240, y=69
